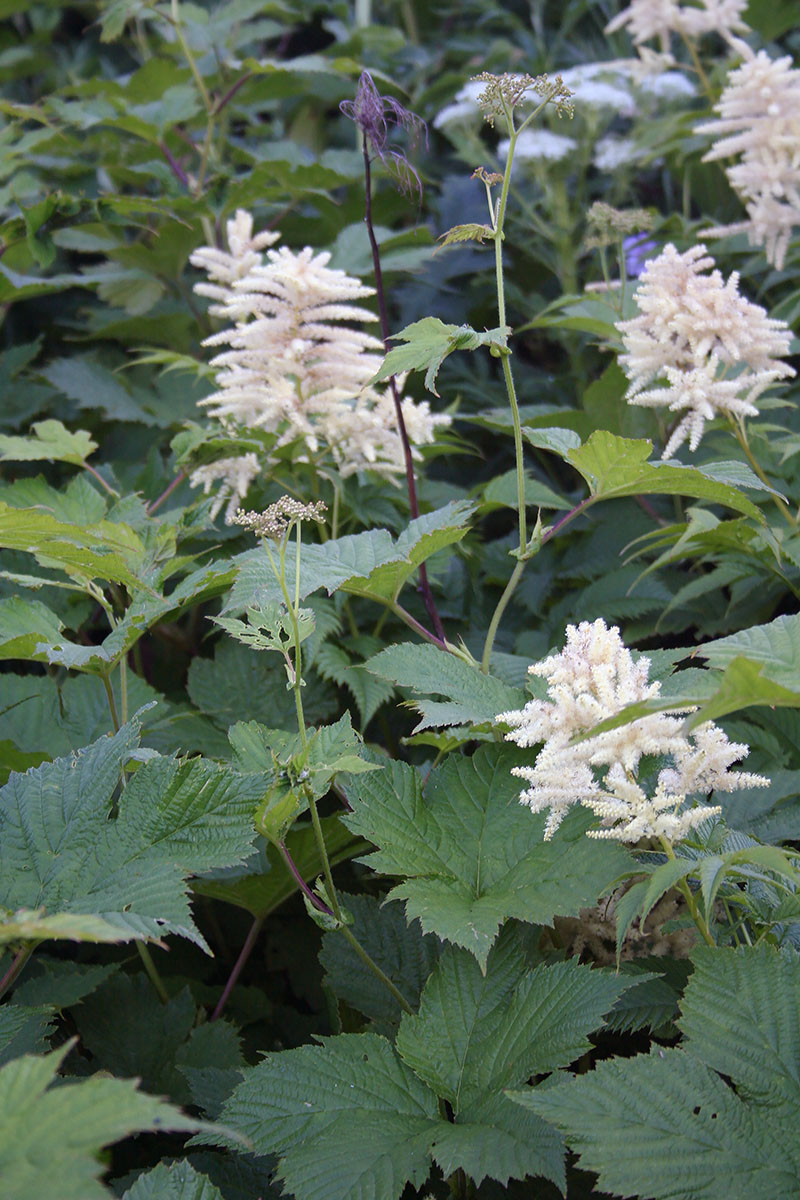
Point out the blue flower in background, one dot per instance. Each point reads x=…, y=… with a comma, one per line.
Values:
x=638, y=248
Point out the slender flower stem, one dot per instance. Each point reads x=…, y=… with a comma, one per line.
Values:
x=175, y=21
x=313, y=899
x=411, y=482
x=516, y=575
x=238, y=967
x=414, y=624
x=112, y=704
x=691, y=903
x=17, y=964
x=165, y=495
x=319, y=836
x=152, y=972
x=225, y=100
x=96, y=475
x=741, y=438
x=502, y=604
x=376, y=970
x=175, y=166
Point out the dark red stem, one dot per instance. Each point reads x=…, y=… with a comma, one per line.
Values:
x=165, y=495
x=411, y=482
x=320, y=905
x=226, y=99
x=177, y=169
x=17, y=963
x=238, y=966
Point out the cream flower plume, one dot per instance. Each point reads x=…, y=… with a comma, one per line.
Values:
x=593, y=678
x=293, y=363
x=759, y=123
x=715, y=350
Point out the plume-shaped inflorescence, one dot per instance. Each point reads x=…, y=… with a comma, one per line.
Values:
x=297, y=362
x=593, y=678
x=711, y=351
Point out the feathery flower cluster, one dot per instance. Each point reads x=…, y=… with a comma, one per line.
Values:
x=593, y=678
x=295, y=366
x=716, y=350
x=759, y=123
x=275, y=520
x=233, y=474
x=648, y=19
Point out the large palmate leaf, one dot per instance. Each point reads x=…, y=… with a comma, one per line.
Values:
x=51, y=1137
x=471, y=697
x=59, y=851
x=477, y=1034
x=371, y=564
x=472, y=855
x=613, y=466
x=667, y=1125
x=348, y=1118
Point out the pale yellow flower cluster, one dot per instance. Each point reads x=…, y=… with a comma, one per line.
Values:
x=759, y=124
x=295, y=365
x=593, y=678
x=714, y=349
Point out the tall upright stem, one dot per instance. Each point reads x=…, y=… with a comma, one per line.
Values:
x=411, y=482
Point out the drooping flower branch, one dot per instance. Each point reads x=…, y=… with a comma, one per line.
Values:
x=374, y=114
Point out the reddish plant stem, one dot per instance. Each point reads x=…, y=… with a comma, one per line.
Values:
x=177, y=169
x=411, y=482
x=165, y=495
x=301, y=883
x=17, y=964
x=231, y=92
x=238, y=966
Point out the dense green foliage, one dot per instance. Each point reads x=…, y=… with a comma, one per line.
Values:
x=267, y=889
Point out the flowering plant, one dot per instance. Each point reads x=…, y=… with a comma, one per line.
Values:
x=353, y=361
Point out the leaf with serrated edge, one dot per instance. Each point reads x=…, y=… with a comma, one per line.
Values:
x=348, y=1118
x=60, y=851
x=472, y=696
x=471, y=854
x=614, y=466
x=370, y=564
x=666, y=1125
x=52, y=1136
x=178, y=1181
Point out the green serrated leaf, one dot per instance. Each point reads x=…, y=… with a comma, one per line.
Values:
x=471, y=696
x=466, y=233
x=348, y=1118
x=613, y=466
x=50, y=441
x=52, y=1135
x=471, y=854
x=370, y=564
x=179, y=1181
x=666, y=1125
x=428, y=343
x=60, y=851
